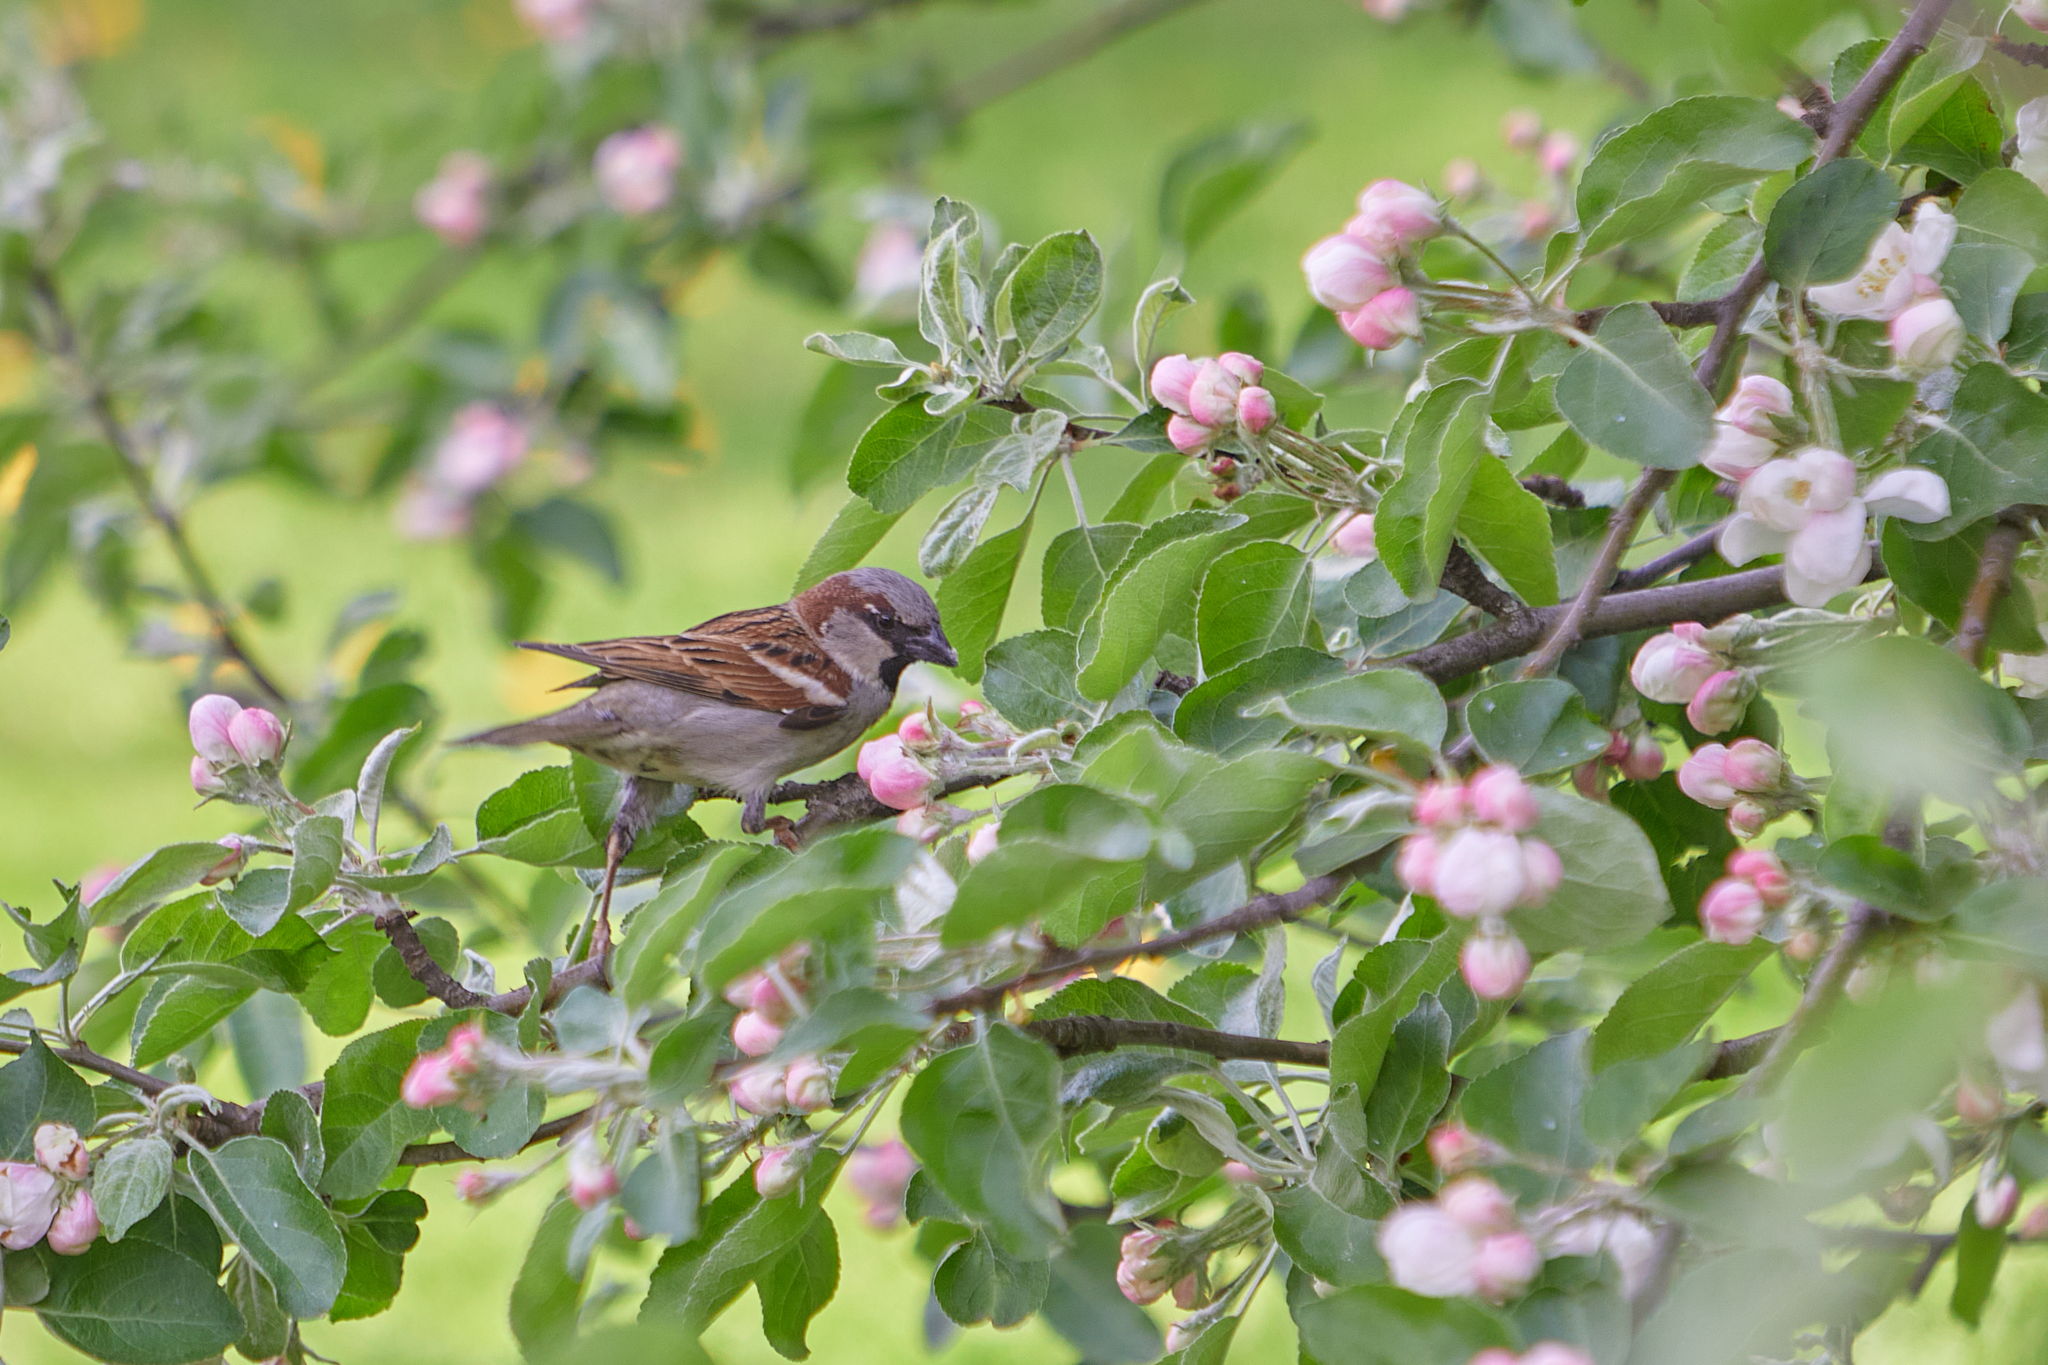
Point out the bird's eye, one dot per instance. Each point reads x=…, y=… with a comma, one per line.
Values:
x=883, y=620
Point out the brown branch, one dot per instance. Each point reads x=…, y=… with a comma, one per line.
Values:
x=1258, y=913
x=2026, y=54
x=1077, y=1034
x=1555, y=491
x=92, y=1061
x=1076, y=433
x=1674, y=312
x=593, y=971
x=1817, y=1001
x=1740, y=1056
x=1994, y=578
x=1463, y=576
x=1670, y=562
x=99, y=405
x=420, y=964
x=447, y=1153
x=846, y=800
x=1844, y=123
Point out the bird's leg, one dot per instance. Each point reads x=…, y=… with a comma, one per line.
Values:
x=754, y=818
x=643, y=799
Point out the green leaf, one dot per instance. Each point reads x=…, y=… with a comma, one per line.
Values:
x=859, y=348
x=1413, y=1082
x=949, y=307
x=1051, y=295
x=1961, y=139
x=955, y=530
x=972, y=599
x=1082, y=1303
x=1937, y=575
x=377, y=1240
x=501, y=1128
x=253, y=1188
x=316, y=857
x=1720, y=259
x=839, y=880
x=1151, y=594
x=290, y=1117
x=1212, y=179
x=1509, y=527
x=1984, y=280
x=1254, y=599
x=795, y=1285
x=1657, y=172
x=1821, y=228
x=1534, y=1105
x=1613, y=890
x=1029, y=679
x=546, y=1297
x=741, y=1236
x=176, y=1010
x=363, y=1124
x=1077, y=563
x=981, y=1118
x=1978, y=1252
x=535, y=820
x=1219, y=714
x=908, y=452
x=1632, y=394
x=36, y=1088
x=856, y=529
x=152, y=881
x=1160, y=301
x=357, y=728
x=644, y=967
x=1438, y=441
x=129, y=1180
x=1666, y=1005
x=1992, y=450
x=1385, y=702
x=2005, y=207
x=661, y=1193
x=1377, y=1324
x=1539, y=725
x=1866, y=867
x=371, y=781
x=1947, y=731
x=137, y=1303
x=977, y=1282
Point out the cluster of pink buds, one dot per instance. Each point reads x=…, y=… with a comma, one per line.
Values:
x=1639, y=757
x=1694, y=667
x=456, y=204
x=1749, y=427
x=898, y=768
x=1542, y=1353
x=1212, y=399
x=555, y=21
x=228, y=736
x=441, y=1076
x=767, y=1001
x=636, y=169
x=1475, y=857
x=1748, y=779
x=1465, y=1241
x=1735, y=907
x=46, y=1198
x=482, y=446
x=880, y=1174
x=1356, y=274
x=1151, y=1264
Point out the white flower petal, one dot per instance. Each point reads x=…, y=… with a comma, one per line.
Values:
x=1908, y=494
x=1775, y=495
x=1934, y=232
x=1744, y=538
x=1815, y=592
x=1827, y=546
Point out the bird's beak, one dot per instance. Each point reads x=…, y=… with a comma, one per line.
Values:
x=932, y=647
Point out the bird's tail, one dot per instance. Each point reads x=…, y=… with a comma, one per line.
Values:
x=524, y=732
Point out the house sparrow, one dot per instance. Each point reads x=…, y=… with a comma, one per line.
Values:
x=743, y=700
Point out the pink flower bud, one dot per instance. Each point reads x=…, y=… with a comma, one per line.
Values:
x=94, y=884
x=1495, y=1355
x=754, y=1035
x=759, y=1090
x=2032, y=13
x=434, y=1078
x=1535, y=220
x=1737, y=454
x=1495, y=966
x=1748, y=817
x=480, y=1187
x=1256, y=410
x=1354, y=536
x=900, y=782
x=1385, y=320
x=1187, y=1292
x=1173, y=378
x=257, y=736
x=1731, y=911
x=60, y=1151
x=592, y=1179
x=765, y=998
x=1189, y=437
x=1440, y=805
x=1499, y=796
x=1753, y=766
x=1803, y=945
x=1555, y=1353
x=1671, y=668
x=1245, y=369
x=1463, y=178
x=808, y=1086
x=232, y=864
x=875, y=752
x=208, y=722
x=1427, y=1251
x=1343, y=273
x=1521, y=129
x=1542, y=871
x=1142, y=1274
x=777, y=1173
x=1704, y=777
x=1721, y=701
x=1212, y=399
x=483, y=444
x=28, y=1201
x=881, y=1173
x=1394, y=216
x=1757, y=400
x=1480, y=872
x=970, y=709
x=1764, y=871
x=556, y=21
x=739, y=992
x=1237, y=1173
x=1978, y=1103
x=455, y=204
x=636, y=169
x=1506, y=1264
x=205, y=780
x=917, y=823
x=1478, y=1204
x=77, y=1224
x=1929, y=335
x=1557, y=153
x=1416, y=863
x=1998, y=1198
x=915, y=728
x=982, y=842
x=1453, y=1147
x=1645, y=761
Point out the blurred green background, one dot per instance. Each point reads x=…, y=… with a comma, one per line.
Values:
x=92, y=745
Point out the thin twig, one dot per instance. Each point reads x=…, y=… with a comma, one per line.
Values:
x=1075, y=1034
x=420, y=964
x=448, y=1153
x=1823, y=989
x=1994, y=577
x=1463, y=576
x=1670, y=562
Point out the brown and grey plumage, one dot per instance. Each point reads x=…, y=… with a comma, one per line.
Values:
x=743, y=700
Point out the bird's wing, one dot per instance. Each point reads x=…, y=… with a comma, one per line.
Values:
x=762, y=659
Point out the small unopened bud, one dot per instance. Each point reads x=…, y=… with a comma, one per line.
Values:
x=433, y=1079
x=1416, y=863
x=1732, y=911
x=1499, y=796
x=1672, y=666
x=899, y=781
x=455, y=204
x=556, y=21
x=754, y=1035
x=1495, y=966
x=1173, y=378
x=807, y=1086
x=917, y=823
x=1753, y=766
x=60, y=1151
x=1228, y=492
x=1188, y=436
x=208, y=723
x=1554, y=1353
x=1441, y=805
x=480, y=1187
x=1394, y=216
x=205, y=780
x=779, y=1171
x=1478, y=1204
x=1256, y=410
x=592, y=1179
x=1719, y=704
x=77, y=1224
x=1142, y=1272
x=1764, y=871
x=1645, y=760
x=1521, y=129
x=1704, y=777
x=881, y=1173
x=1506, y=1264
x=237, y=858
x=1385, y=320
x=1453, y=1147
x=982, y=842
x=28, y=1201
x=636, y=169
x=1463, y=178
x=1343, y=272
x=1928, y=336
x=256, y=735
x=2032, y=13
x=915, y=728
x=1998, y=1198
x=1355, y=537
x=1427, y=1251
x=1557, y=153
x=1542, y=872
x=759, y=1090
x=1748, y=818
x=1977, y=1102
x=1479, y=872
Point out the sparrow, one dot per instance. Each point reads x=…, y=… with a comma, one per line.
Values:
x=741, y=701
